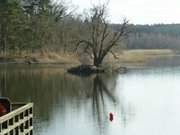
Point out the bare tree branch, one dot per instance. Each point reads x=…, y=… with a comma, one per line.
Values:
x=115, y=38
x=114, y=55
x=102, y=38
x=83, y=42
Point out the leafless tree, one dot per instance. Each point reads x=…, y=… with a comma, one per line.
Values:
x=101, y=38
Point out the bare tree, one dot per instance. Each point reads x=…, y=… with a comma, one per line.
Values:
x=101, y=38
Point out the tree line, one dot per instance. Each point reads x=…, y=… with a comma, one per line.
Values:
x=157, y=36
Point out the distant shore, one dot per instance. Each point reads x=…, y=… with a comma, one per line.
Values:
x=40, y=58
x=127, y=58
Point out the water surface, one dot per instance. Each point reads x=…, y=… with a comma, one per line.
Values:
x=144, y=102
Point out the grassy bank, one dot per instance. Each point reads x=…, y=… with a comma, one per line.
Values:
x=139, y=57
x=40, y=58
x=127, y=58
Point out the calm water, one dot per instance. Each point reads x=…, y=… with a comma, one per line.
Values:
x=144, y=102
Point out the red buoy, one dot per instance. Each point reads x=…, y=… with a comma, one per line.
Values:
x=111, y=116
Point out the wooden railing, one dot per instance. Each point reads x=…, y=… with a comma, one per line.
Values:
x=18, y=121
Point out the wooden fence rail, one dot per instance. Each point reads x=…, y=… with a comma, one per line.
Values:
x=18, y=121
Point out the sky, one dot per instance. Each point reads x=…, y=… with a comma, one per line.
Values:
x=138, y=11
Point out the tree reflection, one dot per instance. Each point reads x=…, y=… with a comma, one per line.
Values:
x=103, y=96
x=100, y=92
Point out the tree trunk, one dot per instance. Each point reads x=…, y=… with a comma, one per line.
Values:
x=3, y=38
x=97, y=62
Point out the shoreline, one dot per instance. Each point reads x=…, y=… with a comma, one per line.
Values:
x=131, y=59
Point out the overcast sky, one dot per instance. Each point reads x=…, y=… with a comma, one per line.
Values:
x=138, y=11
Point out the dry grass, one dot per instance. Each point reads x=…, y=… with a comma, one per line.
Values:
x=137, y=58
x=44, y=57
x=126, y=57
x=144, y=55
x=58, y=57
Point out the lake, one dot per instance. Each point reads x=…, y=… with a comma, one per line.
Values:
x=142, y=101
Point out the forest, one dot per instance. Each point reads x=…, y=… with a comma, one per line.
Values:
x=156, y=36
x=35, y=25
